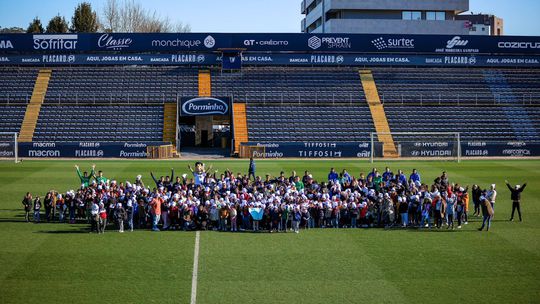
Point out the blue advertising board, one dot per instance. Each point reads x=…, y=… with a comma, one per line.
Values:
x=85, y=149
x=264, y=59
x=314, y=149
x=469, y=149
x=407, y=149
x=205, y=106
x=268, y=42
x=505, y=149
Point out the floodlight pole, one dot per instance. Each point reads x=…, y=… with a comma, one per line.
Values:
x=458, y=147
x=372, y=148
x=16, y=144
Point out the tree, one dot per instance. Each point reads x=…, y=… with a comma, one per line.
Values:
x=12, y=30
x=111, y=17
x=84, y=19
x=57, y=24
x=35, y=27
x=130, y=17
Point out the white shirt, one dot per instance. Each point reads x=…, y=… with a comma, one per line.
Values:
x=492, y=195
x=95, y=209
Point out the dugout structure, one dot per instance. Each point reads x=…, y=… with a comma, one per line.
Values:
x=252, y=151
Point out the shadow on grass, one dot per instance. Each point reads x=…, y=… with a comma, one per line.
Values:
x=77, y=231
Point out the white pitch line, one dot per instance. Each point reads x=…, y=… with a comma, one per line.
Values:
x=195, y=269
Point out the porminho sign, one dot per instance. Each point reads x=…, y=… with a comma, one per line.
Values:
x=204, y=106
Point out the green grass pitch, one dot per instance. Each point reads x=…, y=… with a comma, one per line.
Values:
x=62, y=263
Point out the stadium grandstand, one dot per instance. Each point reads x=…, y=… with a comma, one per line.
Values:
x=320, y=89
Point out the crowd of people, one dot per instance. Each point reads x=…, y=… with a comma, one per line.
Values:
x=229, y=202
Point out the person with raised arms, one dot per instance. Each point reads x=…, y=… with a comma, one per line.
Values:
x=84, y=177
x=516, y=199
x=163, y=181
x=199, y=173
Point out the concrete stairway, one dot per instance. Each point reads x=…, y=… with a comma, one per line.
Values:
x=31, y=115
x=377, y=113
x=240, y=125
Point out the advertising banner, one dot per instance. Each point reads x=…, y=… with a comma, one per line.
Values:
x=511, y=148
x=86, y=149
x=268, y=42
x=262, y=59
x=205, y=106
x=315, y=150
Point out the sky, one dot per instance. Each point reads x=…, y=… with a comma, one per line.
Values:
x=520, y=16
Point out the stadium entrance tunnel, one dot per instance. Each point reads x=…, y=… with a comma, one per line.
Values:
x=204, y=126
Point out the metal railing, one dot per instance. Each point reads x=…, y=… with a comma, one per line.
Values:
x=286, y=98
x=461, y=99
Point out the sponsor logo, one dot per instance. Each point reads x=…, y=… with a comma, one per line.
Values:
x=519, y=45
x=252, y=42
x=58, y=58
x=516, y=152
x=209, y=42
x=363, y=154
x=7, y=153
x=460, y=60
x=273, y=154
x=393, y=43
x=44, y=153
x=135, y=145
x=55, y=42
x=326, y=59
x=431, y=144
x=476, y=143
x=431, y=153
x=456, y=45
x=4, y=59
x=177, y=43
x=3, y=145
x=476, y=152
x=337, y=42
x=89, y=153
x=108, y=42
x=325, y=153
x=43, y=145
x=456, y=41
x=516, y=144
x=6, y=44
x=205, y=106
x=268, y=145
x=187, y=58
x=320, y=145
x=89, y=145
x=314, y=42
x=138, y=154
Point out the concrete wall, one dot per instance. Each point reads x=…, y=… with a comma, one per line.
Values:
x=368, y=26
x=315, y=14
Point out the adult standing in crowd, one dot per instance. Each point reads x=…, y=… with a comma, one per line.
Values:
x=27, y=205
x=37, y=209
x=476, y=194
x=487, y=213
x=516, y=199
x=252, y=167
x=491, y=195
